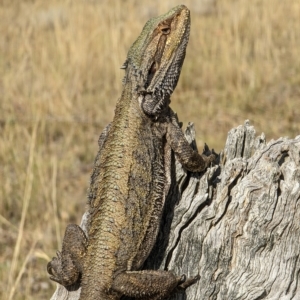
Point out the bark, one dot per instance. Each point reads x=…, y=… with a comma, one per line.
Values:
x=236, y=225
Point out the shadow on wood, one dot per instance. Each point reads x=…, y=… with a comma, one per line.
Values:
x=236, y=225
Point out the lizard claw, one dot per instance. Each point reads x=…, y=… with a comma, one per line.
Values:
x=53, y=265
x=188, y=282
x=182, y=279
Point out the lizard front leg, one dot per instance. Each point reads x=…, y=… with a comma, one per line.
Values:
x=150, y=284
x=67, y=266
x=190, y=159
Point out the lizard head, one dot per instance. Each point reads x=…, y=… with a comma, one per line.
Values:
x=155, y=59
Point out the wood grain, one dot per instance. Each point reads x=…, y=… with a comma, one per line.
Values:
x=236, y=225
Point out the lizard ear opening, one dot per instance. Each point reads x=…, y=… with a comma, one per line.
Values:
x=153, y=68
x=151, y=73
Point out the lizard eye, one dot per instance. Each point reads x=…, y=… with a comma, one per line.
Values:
x=165, y=29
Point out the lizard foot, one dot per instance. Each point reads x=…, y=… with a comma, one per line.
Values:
x=67, y=266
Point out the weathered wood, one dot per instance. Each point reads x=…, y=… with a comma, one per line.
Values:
x=236, y=225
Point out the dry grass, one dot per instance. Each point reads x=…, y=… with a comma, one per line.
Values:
x=60, y=79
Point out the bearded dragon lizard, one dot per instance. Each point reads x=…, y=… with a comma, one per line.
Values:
x=131, y=177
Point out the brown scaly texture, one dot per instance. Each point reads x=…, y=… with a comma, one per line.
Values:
x=132, y=175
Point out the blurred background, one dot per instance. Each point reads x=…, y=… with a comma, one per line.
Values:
x=60, y=78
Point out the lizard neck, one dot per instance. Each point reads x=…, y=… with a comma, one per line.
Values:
x=128, y=106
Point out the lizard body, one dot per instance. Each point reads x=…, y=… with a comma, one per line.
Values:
x=131, y=176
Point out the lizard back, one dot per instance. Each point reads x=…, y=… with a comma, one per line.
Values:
x=127, y=201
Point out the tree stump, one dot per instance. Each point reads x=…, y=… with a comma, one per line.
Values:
x=236, y=225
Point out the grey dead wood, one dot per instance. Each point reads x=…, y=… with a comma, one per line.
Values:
x=236, y=225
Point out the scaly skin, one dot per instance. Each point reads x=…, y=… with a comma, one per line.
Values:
x=131, y=175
